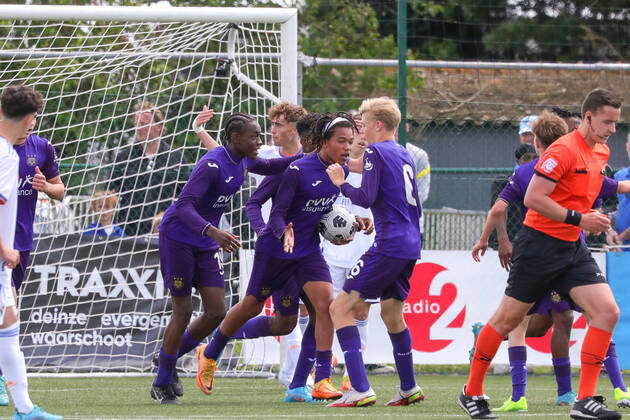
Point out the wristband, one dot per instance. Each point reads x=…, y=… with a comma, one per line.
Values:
x=198, y=128
x=573, y=218
x=205, y=228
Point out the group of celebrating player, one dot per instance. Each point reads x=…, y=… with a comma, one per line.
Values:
x=357, y=159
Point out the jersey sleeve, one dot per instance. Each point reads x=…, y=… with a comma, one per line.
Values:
x=512, y=192
x=203, y=177
x=8, y=177
x=50, y=168
x=283, y=199
x=271, y=166
x=265, y=191
x=555, y=162
x=365, y=195
x=609, y=188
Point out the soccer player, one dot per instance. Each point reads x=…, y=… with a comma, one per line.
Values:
x=389, y=190
x=190, y=242
x=288, y=250
x=549, y=254
x=341, y=258
x=19, y=106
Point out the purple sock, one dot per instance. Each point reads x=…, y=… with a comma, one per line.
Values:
x=350, y=342
x=254, y=328
x=518, y=360
x=611, y=363
x=166, y=366
x=216, y=346
x=306, y=359
x=323, y=366
x=401, y=342
x=562, y=369
x=188, y=343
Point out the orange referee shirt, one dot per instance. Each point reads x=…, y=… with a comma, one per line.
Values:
x=578, y=171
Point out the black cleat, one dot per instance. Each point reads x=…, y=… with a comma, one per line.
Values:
x=164, y=394
x=476, y=407
x=178, y=386
x=593, y=408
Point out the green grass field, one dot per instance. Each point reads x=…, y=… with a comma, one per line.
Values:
x=122, y=398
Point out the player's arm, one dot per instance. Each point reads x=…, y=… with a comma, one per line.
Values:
x=281, y=202
x=199, y=128
x=271, y=166
x=623, y=187
x=365, y=195
x=253, y=208
x=203, y=177
x=47, y=178
x=496, y=216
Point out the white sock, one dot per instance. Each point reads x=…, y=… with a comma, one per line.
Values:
x=293, y=346
x=14, y=368
x=363, y=332
x=303, y=322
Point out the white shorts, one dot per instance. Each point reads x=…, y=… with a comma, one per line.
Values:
x=6, y=292
x=338, y=275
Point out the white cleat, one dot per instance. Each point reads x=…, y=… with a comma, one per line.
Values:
x=412, y=396
x=352, y=398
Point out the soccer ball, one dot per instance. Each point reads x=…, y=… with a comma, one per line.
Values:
x=337, y=224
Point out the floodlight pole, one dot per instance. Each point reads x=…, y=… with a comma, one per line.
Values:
x=402, y=70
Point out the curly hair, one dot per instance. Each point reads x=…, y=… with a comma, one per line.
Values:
x=18, y=101
x=292, y=113
x=325, y=125
x=549, y=127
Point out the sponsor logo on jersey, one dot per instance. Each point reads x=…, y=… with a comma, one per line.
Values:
x=549, y=165
x=223, y=201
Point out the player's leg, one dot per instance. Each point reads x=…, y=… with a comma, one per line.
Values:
x=297, y=391
x=517, y=353
x=611, y=364
x=562, y=325
x=11, y=357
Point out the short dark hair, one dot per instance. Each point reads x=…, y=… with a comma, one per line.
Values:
x=17, y=101
x=306, y=123
x=236, y=123
x=323, y=131
x=598, y=98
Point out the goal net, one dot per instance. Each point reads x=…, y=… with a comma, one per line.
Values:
x=96, y=303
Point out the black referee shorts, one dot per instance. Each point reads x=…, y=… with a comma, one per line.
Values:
x=541, y=263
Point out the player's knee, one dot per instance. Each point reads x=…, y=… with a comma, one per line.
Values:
x=323, y=306
x=361, y=313
x=284, y=324
x=609, y=316
x=563, y=321
x=182, y=315
x=214, y=317
x=393, y=321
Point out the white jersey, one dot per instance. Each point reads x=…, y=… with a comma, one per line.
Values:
x=9, y=166
x=266, y=152
x=347, y=255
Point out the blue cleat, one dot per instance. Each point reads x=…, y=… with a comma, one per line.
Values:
x=568, y=398
x=36, y=414
x=476, y=329
x=301, y=394
x=4, y=398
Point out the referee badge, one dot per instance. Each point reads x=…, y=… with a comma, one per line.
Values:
x=549, y=165
x=31, y=160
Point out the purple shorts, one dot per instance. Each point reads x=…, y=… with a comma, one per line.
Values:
x=271, y=274
x=185, y=266
x=286, y=301
x=380, y=276
x=553, y=302
x=19, y=272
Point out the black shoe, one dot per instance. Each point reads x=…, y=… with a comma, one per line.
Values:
x=164, y=394
x=178, y=386
x=593, y=408
x=476, y=407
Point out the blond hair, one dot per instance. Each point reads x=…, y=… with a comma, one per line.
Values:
x=549, y=127
x=100, y=197
x=383, y=109
x=146, y=106
x=292, y=113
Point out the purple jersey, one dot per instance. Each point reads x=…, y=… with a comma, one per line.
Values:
x=388, y=188
x=304, y=195
x=217, y=176
x=514, y=191
x=35, y=151
x=265, y=191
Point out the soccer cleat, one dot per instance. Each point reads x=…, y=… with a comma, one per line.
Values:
x=4, y=398
x=622, y=398
x=178, y=386
x=164, y=394
x=325, y=390
x=37, y=413
x=568, y=398
x=301, y=394
x=205, y=371
x=345, y=383
x=512, y=406
x=353, y=398
x=412, y=396
x=476, y=407
x=379, y=369
x=476, y=329
x=593, y=408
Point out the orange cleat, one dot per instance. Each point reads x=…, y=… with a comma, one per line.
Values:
x=325, y=390
x=205, y=370
x=345, y=384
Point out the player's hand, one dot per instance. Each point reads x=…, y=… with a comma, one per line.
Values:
x=225, y=240
x=613, y=239
x=479, y=250
x=203, y=117
x=39, y=181
x=10, y=256
x=365, y=224
x=288, y=239
x=595, y=222
x=336, y=174
x=505, y=254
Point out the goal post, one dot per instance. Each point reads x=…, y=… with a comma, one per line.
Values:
x=96, y=304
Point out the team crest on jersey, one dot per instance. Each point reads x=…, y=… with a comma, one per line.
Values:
x=368, y=165
x=549, y=165
x=555, y=297
x=31, y=160
x=178, y=282
x=286, y=301
x=265, y=291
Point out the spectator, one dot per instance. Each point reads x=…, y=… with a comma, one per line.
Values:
x=525, y=133
x=104, y=205
x=621, y=233
x=147, y=174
